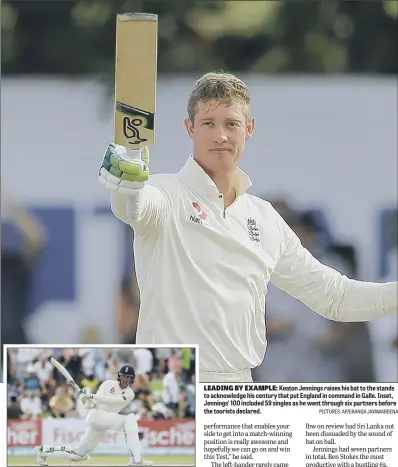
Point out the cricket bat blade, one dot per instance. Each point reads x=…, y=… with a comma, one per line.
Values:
x=65, y=373
x=135, y=79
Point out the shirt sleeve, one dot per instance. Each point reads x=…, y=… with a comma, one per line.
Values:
x=325, y=290
x=147, y=207
x=126, y=398
x=101, y=389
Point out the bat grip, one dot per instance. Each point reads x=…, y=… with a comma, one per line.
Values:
x=74, y=386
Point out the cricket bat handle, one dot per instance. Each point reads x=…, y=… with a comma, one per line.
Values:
x=74, y=386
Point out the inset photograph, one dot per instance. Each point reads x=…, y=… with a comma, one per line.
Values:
x=98, y=406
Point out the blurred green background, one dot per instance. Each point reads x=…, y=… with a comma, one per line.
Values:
x=78, y=37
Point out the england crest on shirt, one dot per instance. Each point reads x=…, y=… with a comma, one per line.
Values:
x=253, y=230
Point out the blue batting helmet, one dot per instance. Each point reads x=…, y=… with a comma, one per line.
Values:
x=127, y=370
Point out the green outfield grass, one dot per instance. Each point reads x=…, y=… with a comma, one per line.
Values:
x=109, y=461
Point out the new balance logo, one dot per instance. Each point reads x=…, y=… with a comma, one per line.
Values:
x=200, y=216
x=196, y=219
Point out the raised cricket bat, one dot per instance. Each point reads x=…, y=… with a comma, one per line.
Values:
x=65, y=373
x=135, y=79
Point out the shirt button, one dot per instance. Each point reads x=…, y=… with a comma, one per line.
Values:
x=220, y=196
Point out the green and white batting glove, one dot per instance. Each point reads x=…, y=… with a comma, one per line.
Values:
x=84, y=395
x=89, y=404
x=122, y=171
x=86, y=398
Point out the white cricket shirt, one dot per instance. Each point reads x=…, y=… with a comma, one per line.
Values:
x=112, y=398
x=203, y=270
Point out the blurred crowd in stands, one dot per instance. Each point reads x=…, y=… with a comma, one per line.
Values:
x=164, y=385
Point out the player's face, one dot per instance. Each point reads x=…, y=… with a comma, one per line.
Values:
x=219, y=133
x=124, y=381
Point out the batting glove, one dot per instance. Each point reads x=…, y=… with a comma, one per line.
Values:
x=86, y=398
x=122, y=171
x=84, y=395
x=89, y=404
x=81, y=393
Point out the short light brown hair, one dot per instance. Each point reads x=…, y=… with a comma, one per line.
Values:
x=224, y=87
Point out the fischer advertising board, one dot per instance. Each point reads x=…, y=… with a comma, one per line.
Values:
x=159, y=436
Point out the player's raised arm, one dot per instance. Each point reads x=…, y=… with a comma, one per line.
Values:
x=135, y=199
x=127, y=398
x=101, y=398
x=325, y=290
x=125, y=168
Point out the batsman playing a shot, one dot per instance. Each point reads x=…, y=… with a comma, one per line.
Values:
x=205, y=249
x=103, y=414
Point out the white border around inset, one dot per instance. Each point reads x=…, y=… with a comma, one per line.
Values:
x=85, y=346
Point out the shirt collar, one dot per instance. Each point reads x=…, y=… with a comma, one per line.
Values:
x=193, y=174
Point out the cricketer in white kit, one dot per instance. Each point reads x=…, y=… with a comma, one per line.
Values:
x=104, y=408
x=205, y=249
